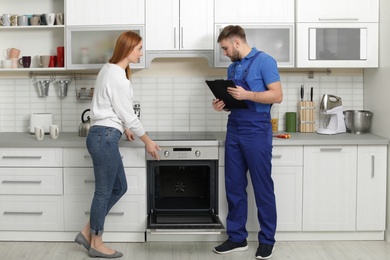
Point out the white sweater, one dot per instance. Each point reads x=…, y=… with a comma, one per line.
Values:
x=112, y=102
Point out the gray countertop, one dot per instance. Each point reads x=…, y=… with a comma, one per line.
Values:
x=66, y=139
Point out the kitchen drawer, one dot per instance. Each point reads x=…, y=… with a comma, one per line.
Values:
x=31, y=213
x=31, y=181
x=81, y=180
x=287, y=155
x=30, y=157
x=79, y=157
x=128, y=214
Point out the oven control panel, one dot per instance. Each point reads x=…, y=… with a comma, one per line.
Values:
x=187, y=153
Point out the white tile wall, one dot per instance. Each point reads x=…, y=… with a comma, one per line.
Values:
x=167, y=103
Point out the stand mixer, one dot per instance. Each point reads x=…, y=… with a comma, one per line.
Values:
x=332, y=119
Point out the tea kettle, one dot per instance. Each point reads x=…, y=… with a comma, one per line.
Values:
x=85, y=124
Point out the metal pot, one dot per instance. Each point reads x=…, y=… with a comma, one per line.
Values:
x=358, y=121
x=85, y=124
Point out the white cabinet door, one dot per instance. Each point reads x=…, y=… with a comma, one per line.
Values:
x=371, y=187
x=179, y=25
x=254, y=11
x=337, y=11
x=103, y=12
x=329, y=188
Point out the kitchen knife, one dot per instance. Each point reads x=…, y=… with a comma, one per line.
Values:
x=302, y=92
x=311, y=94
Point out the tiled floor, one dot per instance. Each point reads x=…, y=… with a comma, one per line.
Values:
x=310, y=250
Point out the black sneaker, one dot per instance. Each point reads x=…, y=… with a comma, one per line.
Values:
x=264, y=251
x=230, y=247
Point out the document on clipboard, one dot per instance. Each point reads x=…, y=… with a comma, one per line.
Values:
x=219, y=89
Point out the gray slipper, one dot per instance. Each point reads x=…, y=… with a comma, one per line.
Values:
x=94, y=253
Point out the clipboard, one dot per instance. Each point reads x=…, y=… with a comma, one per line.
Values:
x=219, y=89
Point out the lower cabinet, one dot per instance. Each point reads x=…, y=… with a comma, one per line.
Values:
x=329, y=188
x=128, y=215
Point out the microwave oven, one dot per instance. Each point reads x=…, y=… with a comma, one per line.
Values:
x=335, y=45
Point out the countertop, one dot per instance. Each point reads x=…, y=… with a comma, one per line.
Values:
x=71, y=139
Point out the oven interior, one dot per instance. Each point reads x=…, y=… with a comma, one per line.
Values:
x=183, y=194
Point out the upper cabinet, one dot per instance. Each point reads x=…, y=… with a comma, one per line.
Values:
x=268, y=24
x=362, y=11
x=31, y=40
x=254, y=11
x=337, y=34
x=103, y=12
x=179, y=25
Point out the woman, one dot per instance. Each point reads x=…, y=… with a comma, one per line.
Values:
x=112, y=115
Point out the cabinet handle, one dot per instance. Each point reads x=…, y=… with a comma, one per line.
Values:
x=330, y=149
x=22, y=182
x=340, y=18
x=21, y=157
x=182, y=38
x=109, y=213
x=89, y=181
x=372, y=166
x=174, y=37
x=23, y=212
x=277, y=156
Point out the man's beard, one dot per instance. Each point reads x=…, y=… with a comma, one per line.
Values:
x=235, y=56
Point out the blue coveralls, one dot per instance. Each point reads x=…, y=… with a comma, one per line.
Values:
x=249, y=147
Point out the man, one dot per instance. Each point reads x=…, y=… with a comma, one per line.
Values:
x=248, y=143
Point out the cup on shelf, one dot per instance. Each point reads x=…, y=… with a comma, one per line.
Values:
x=14, y=20
x=50, y=18
x=53, y=61
x=22, y=20
x=60, y=19
x=6, y=64
x=60, y=56
x=6, y=19
x=25, y=61
x=14, y=63
x=44, y=61
x=12, y=53
x=35, y=20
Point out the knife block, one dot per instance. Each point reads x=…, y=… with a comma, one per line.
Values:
x=306, y=117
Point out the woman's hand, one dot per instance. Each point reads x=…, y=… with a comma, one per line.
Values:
x=129, y=134
x=152, y=148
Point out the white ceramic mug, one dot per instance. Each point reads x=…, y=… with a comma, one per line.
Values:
x=50, y=18
x=39, y=132
x=6, y=64
x=54, y=131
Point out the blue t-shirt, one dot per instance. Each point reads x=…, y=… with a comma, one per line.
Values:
x=263, y=71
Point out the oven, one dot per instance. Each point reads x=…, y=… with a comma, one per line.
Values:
x=182, y=187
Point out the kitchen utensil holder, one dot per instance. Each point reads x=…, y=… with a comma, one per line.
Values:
x=306, y=117
x=62, y=87
x=43, y=87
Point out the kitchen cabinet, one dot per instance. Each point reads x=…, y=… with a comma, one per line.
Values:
x=276, y=40
x=179, y=25
x=329, y=183
x=254, y=11
x=103, y=12
x=337, y=34
x=371, y=185
x=31, y=189
x=90, y=47
x=32, y=40
x=128, y=215
x=362, y=11
x=287, y=163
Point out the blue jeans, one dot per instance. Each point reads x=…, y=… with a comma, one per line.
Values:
x=110, y=178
